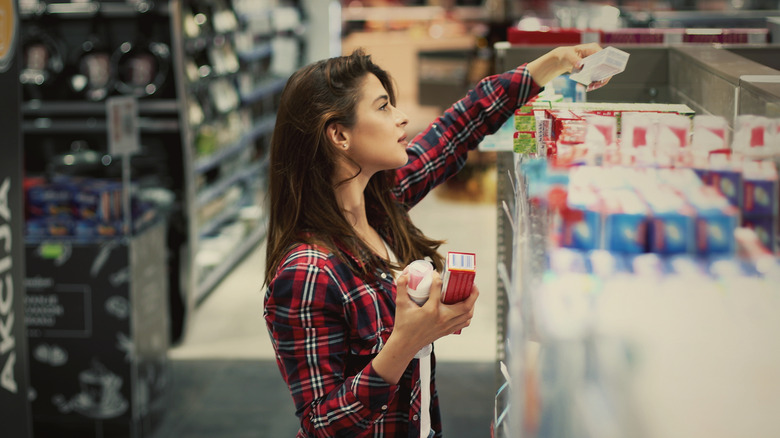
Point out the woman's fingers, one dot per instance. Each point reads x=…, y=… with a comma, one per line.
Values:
x=596, y=85
x=435, y=294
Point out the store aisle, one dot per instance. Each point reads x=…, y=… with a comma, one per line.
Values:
x=225, y=381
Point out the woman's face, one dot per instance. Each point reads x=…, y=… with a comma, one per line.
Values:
x=378, y=140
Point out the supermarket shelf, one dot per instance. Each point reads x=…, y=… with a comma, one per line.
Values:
x=260, y=52
x=218, y=273
x=92, y=8
x=409, y=13
x=94, y=125
x=80, y=107
x=222, y=185
x=260, y=127
x=265, y=89
x=215, y=223
x=264, y=125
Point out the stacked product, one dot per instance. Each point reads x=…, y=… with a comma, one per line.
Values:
x=744, y=170
x=81, y=207
x=658, y=236
x=661, y=36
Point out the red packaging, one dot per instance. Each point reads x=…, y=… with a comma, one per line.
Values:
x=458, y=277
x=549, y=36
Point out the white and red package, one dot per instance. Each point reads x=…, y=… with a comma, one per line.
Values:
x=458, y=277
x=420, y=279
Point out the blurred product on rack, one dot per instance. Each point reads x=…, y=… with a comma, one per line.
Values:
x=43, y=59
x=93, y=74
x=638, y=272
x=86, y=208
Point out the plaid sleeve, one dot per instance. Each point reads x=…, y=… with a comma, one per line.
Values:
x=304, y=315
x=440, y=151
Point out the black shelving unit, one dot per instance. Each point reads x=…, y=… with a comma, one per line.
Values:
x=57, y=116
x=204, y=130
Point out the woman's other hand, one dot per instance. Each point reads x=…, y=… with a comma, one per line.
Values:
x=417, y=326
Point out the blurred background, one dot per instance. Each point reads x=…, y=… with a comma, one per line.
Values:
x=133, y=180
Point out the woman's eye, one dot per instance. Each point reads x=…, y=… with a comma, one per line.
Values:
x=383, y=107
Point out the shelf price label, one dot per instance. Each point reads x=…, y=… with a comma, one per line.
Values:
x=122, y=117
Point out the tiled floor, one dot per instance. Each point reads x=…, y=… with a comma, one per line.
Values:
x=225, y=379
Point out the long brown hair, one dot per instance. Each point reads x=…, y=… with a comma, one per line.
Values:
x=302, y=200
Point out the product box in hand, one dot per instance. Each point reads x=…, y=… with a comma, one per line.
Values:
x=601, y=65
x=458, y=277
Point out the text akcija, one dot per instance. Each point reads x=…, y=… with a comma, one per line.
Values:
x=7, y=340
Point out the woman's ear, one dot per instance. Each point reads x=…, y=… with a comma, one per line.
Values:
x=338, y=135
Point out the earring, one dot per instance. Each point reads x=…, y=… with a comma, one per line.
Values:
x=345, y=145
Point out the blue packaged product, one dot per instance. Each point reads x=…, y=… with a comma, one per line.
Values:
x=765, y=228
x=671, y=233
x=716, y=220
x=760, y=196
x=90, y=204
x=671, y=227
x=624, y=222
x=86, y=228
x=95, y=201
x=729, y=183
x=715, y=232
x=581, y=225
x=49, y=200
x=59, y=226
x=36, y=227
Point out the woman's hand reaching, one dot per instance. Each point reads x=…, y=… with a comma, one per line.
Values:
x=560, y=60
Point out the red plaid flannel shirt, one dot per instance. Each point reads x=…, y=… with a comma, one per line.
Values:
x=326, y=324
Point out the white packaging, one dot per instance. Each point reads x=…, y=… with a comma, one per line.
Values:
x=710, y=133
x=601, y=65
x=420, y=279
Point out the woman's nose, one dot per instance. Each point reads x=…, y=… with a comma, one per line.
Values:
x=401, y=118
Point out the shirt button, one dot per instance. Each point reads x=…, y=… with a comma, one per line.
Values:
x=384, y=276
x=384, y=407
x=416, y=417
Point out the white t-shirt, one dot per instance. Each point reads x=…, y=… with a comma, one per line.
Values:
x=424, y=356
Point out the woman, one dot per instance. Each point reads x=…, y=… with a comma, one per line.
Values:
x=343, y=176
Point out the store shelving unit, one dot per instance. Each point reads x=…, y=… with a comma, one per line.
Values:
x=56, y=116
x=713, y=80
x=229, y=52
x=204, y=131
